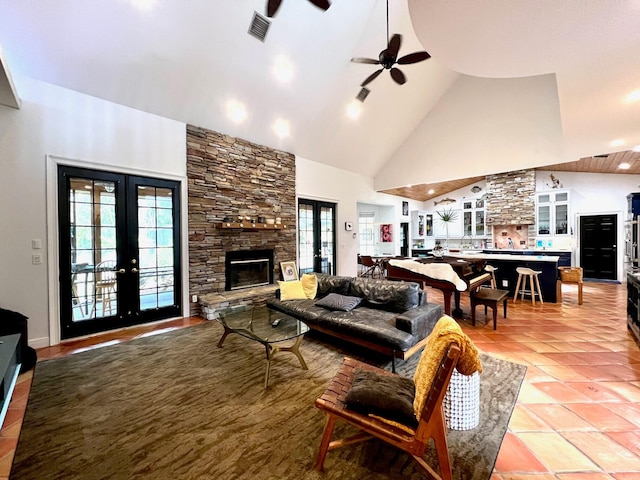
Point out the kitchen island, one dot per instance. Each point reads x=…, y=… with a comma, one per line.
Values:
x=507, y=277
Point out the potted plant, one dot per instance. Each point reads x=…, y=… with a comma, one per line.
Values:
x=446, y=217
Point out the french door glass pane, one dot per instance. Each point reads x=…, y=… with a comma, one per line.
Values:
x=305, y=233
x=326, y=239
x=92, y=248
x=156, y=252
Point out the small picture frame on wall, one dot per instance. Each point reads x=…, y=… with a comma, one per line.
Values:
x=405, y=208
x=289, y=271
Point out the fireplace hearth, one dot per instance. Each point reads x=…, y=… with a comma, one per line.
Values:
x=248, y=269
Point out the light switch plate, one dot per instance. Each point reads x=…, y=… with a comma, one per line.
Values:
x=36, y=244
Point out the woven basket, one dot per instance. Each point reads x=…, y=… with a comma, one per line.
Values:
x=462, y=401
x=571, y=274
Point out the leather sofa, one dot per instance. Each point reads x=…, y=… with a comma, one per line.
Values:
x=394, y=318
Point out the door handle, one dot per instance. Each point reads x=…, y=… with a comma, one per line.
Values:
x=122, y=270
x=134, y=270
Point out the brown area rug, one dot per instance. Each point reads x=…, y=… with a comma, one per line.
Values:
x=173, y=406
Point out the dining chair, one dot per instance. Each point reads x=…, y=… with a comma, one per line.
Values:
x=105, y=286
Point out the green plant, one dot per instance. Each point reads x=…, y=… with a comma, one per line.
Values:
x=448, y=216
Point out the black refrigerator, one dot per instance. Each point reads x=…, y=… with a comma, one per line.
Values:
x=632, y=232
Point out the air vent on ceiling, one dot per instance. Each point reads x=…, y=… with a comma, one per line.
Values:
x=259, y=26
x=363, y=94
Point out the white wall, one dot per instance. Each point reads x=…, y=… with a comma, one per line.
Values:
x=593, y=194
x=57, y=121
x=483, y=124
x=318, y=181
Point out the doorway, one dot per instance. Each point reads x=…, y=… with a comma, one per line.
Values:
x=316, y=236
x=598, y=246
x=119, y=259
x=404, y=239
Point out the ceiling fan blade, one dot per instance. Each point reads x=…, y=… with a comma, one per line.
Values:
x=323, y=4
x=414, y=57
x=394, y=45
x=369, y=61
x=272, y=7
x=398, y=76
x=372, y=77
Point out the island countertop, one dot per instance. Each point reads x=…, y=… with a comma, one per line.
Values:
x=507, y=256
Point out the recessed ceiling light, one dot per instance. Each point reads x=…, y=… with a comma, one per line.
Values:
x=143, y=5
x=281, y=127
x=617, y=142
x=431, y=191
x=354, y=109
x=236, y=111
x=282, y=69
x=624, y=166
x=636, y=148
x=634, y=96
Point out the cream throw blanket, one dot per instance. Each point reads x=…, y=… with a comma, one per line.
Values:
x=439, y=271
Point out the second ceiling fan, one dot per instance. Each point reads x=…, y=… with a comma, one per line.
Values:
x=274, y=5
x=388, y=58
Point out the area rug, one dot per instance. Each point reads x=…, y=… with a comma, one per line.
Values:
x=174, y=406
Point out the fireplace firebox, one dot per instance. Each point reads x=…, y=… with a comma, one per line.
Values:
x=248, y=268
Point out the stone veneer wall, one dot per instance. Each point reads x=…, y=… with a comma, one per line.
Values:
x=511, y=200
x=228, y=177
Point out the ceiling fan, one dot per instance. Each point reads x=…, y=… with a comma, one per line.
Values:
x=389, y=57
x=274, y=5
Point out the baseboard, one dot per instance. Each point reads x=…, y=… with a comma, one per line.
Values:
x=39, y=342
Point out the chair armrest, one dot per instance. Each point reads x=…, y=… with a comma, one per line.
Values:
x=419, y=321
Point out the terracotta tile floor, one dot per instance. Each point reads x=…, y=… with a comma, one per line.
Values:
x=578, y=413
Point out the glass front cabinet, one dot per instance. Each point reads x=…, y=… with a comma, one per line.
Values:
x=552, y=212
x=473, y=222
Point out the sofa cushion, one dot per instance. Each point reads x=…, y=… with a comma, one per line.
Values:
x=332, y=284
x=291, y=290
x=335, y=301
x=387, y=295
x=310, y=284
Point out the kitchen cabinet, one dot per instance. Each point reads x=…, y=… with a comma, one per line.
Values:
x=452, y=229
x=552, y=213
x=421, y=227
x=633, y=298
x=473, y=218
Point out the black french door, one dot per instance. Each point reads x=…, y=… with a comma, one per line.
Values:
x=316, y=236
x=119, y=258
x=598, y=246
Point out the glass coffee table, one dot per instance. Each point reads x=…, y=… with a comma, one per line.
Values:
x=268, y=327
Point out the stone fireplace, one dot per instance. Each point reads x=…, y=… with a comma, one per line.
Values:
x=248, y=269
x=229, y=177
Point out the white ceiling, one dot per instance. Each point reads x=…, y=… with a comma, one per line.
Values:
x=185, y=59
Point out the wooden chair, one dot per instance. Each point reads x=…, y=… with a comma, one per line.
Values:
x=372, y=267
x=431, y=424
x=105, y=286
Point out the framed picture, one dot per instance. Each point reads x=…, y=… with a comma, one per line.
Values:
x=385, y=233
x=289, y=271
x=405, y=208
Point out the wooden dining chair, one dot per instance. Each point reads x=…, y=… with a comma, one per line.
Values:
x=372, y=267
x=431, y=423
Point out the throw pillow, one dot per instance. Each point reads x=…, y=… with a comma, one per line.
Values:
x=387, y=396
x=310, y=285
x=335, y=301
x=291, y=290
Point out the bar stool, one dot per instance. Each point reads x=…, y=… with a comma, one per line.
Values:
x=524, y=273
x=491, y=269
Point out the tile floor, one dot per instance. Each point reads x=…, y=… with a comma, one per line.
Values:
x=578, y=413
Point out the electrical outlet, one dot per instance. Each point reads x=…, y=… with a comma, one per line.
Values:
x=505, y=283
x=194, y=298
x=36, y=259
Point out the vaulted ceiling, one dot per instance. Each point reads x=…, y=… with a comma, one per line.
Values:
x=510, y=85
